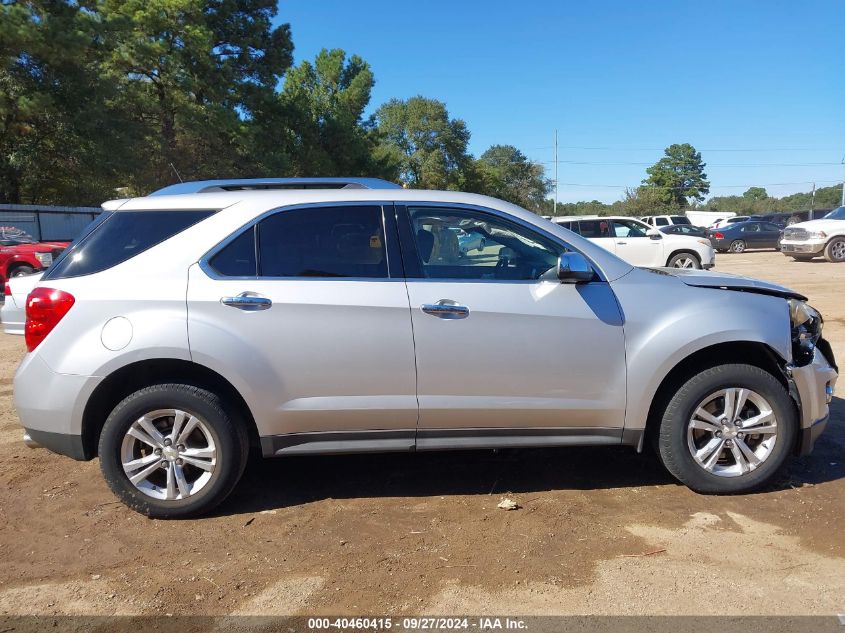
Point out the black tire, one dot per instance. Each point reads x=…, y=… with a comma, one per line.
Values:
x=672, y=440
x=696, y=263
x=834, y=252
x=738, y=246
x=481, y=246
x=22, y=271
x=230, y=439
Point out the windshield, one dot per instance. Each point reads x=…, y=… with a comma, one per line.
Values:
x=836, y=214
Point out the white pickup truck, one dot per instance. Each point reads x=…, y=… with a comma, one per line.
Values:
x=826, y=237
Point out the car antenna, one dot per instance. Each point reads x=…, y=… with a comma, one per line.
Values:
x=177, y=172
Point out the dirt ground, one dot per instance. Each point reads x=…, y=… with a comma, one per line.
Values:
x=601, y=531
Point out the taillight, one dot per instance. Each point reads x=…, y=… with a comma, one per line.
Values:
x=45, y=307
x=719, y=236
x=7, y=290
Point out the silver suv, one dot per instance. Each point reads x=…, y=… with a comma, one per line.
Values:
x=308, y=317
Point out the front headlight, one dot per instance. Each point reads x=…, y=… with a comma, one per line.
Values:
x=44, y=258
x=817, y=235
x=705, y=242
x=806, y=330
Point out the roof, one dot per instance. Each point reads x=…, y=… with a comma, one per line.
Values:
x=263, y=184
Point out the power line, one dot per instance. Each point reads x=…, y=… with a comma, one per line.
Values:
x=661, y=149
x=771, y=184
x=588, y=162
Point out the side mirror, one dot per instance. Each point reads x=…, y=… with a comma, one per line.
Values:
x=654, y=234
x=573, y=268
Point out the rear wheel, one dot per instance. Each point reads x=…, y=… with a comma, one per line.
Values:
x=171, y=451
x=738, y=246
x=684, y=260
x=835, y=250
x=728, y=430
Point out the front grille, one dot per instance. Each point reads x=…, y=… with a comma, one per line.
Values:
x=790, y=233
x=56, y=252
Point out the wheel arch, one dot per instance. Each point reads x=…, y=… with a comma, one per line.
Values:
x=686, y=251
x=732, y=352
x=134, y=376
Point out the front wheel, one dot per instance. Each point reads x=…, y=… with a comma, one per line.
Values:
x=728, y=430
x=835, y=250
x=22, y=271
x=684, y=260
x=738, y=246
x=171, y=451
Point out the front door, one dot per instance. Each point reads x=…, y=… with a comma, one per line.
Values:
x=635, y=246
x=506, y=354
x=306, y=315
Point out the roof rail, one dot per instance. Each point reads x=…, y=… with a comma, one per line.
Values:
x=259, y=184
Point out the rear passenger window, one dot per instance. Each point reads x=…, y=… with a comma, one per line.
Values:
x=119, y=237
x=595, y=228
x=662, y=222
x=344, y=241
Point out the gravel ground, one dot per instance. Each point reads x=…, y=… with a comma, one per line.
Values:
x=599, y=531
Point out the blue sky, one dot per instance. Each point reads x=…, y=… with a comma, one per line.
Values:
x=630, y=76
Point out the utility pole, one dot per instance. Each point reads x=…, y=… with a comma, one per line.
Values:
x=813, y=202
x=843, y=185
x=557, y=191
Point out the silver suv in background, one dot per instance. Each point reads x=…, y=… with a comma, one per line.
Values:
x=180, y=330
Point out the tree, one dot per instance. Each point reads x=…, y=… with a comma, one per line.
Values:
x=679, y=176
x=421, y=144
x=196, y=74
x=505, y=172
x=755, y=194
x=645, y=200
x=325, y=103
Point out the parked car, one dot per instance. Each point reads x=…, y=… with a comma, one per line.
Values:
x=20, y=254
x=665, y=220
x=805, y=240
x=641, y=245
x=684, y=229
x=168, y=346
x=470, y=241
x=741, y=236
x=729, y=221
x=13, y=312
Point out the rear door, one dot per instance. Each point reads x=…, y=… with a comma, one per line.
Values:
x=306, y=313
x=598, y=231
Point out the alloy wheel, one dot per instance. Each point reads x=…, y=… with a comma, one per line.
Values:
x=169, y=454
x=732, y=432
x=837, y=250
x=684, y=262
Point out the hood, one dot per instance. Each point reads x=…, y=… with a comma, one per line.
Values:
x=820, y=225
x=727, y=281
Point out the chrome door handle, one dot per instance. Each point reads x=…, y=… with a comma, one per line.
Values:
x=247, y=301
x=445, y=309
x=621, y=243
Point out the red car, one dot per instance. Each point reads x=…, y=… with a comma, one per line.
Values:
x=22, y=255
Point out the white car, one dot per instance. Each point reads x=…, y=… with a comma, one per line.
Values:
x=665, y=220
x=826, y=237
x=13, y=312
x=641, y=245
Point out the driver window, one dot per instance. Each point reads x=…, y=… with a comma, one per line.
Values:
x=458, y=244
x=627, y=228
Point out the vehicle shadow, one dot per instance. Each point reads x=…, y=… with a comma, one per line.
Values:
x=277, y=483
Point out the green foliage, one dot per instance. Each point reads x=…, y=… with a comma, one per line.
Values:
x=505, y=172
x=755, y=194
x=678, y=176
x=418, y=141
x=324, y=103
x=826, y=198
